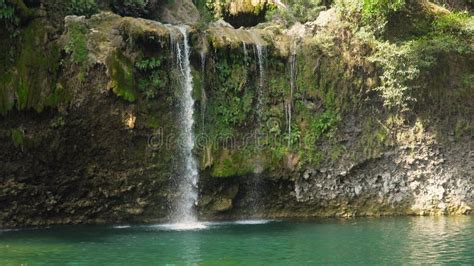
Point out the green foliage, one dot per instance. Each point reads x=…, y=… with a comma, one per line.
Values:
x=8, y=19
x=298, y=10
x=148, y=64
x=134, y=8
x=153, y=77
x=294, y=138
x=381, y=7
x=324, y=124
x=371, y=14
x=404, y=63
x=206, y=15
x=82, y=7
x=398, y=73
x=9, y=31
x=459, y=23
x=311, y=156
x=376, y=12
x=234, y=101
x=122, y=80
x=232, y=113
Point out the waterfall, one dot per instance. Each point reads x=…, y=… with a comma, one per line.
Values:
x=255, y=185
x=245, y=51
x=184, y=212
x=292, y=91
x=261, y=54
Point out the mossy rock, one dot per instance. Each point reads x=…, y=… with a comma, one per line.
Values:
x=17, y=136
x=241, y=12
x=232, y=163
x=220, y=37
x=30, y=82
x=120, y=70
x=144, y=30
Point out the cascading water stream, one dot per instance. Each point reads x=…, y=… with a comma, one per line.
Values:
x=184, y=212
x=292, y=91
x=244, y=46
x=255, y=185
x=261, y=54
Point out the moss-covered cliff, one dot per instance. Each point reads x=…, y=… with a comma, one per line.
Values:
x=335, y=117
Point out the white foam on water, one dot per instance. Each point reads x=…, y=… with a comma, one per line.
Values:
x=251, y=222
x=196, y=226
x=191, y=226
x=121, y=226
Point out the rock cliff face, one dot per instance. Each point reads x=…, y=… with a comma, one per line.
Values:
x=289, y=123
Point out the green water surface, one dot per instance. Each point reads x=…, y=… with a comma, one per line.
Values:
x=410, y=240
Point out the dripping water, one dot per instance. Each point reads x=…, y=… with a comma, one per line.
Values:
x=261, y=55
x=292, y=91
x=244, y=46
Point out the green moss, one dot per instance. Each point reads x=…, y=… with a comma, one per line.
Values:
x=231, y=97
x=121, y=73
x=233, y=163
x=456, y=22
x=197, y=85
x=58, y=96
x=311, y=156
x=6, y=97
x=463, y=128
x=28, y=82
x=77, y=43
x=153, y=122
x=374, y=138
x=337, y=151
x=17, y=137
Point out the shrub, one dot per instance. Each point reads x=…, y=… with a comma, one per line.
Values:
x=399, y=70
x=8, y=19
x=150, y=68
x=298, y=10
x=82, y=7
x=372, y=14
x=134, y=8
x=324, y=124
x=457, y=23
x=381, y=7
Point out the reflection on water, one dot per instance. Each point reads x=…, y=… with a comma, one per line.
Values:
x=434, y=239
x=410, y=240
